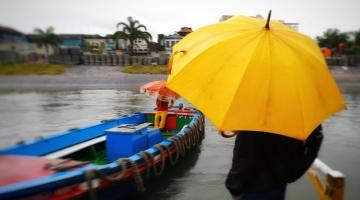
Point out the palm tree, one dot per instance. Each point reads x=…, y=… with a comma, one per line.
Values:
x=46, y=38
x=131, y=31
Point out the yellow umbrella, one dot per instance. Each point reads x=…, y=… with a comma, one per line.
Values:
x=247, y=73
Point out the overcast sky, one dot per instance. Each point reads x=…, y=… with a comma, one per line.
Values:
x=166, y=16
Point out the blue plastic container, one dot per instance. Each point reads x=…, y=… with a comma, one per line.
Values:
x=124, y=142
x=154, y=136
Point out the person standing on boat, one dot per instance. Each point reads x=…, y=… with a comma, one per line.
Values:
x=264, y=163
x=162, y=107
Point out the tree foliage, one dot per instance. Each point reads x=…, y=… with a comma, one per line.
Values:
x=130, y=31
x=46, y=38
x=95, y=47
x=355, y=47
x=331, y=38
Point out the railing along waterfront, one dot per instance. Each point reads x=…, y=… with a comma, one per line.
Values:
x=328, y=183
x=122, y=60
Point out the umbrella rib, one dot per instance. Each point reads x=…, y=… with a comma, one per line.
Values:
x=304, y=49
x=229, y=58
x=270, y=80
x=295, y=51
x=234, y=29
x=227, y=111
x=179, y=75
x=269, y=84
x=290, y=47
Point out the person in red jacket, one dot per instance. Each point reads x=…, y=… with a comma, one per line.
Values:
x=162, y=107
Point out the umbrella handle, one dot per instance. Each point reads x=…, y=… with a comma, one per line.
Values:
x=225, y=135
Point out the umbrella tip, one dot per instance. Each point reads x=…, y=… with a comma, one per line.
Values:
x=267, y=26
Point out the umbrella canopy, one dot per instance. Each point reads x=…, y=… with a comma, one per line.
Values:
x=245, y=76
x=158, y=88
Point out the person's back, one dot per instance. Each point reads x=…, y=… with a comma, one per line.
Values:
x=263, y=163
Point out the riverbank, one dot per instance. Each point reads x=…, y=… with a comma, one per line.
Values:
x=79, y=77
x=32, y=69
x=105, y=77
x=147, y=69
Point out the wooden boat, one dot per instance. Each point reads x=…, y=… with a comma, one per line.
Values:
x=89, y=162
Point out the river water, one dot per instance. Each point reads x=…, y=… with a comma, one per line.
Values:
x=27, y=114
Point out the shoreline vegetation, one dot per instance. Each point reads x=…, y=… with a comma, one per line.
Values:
x=32, y=69
x=145, y=69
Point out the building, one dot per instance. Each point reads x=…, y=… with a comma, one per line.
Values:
x=67, y=41
x=115, y=47
x=95, y=44
x=120, y=46
x=168, y=41
x=293, y=25
x=184, y=31
x=72, y=41
x=12, y=40
x=40, y=50
x=225, y=17
x=140, y=47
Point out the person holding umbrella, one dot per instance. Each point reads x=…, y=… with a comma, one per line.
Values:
x=264, y=163
x=267, y=83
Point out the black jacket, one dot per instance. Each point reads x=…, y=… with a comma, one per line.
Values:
x=265, y=162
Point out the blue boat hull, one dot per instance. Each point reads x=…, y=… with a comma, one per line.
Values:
x=92, y=180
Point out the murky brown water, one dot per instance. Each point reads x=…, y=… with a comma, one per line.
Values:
x=27, y=114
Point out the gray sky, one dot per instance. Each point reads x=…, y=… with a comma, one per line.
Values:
x=166, y=16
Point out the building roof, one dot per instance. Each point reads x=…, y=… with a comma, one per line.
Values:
x=96, y=36
x=173, y=36
x=184, y=31
x=109, y=36
x=7, y=30
x=31, y=37
x=225, y=17
x=71, y=36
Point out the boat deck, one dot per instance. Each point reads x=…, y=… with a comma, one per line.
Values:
x=28, y=167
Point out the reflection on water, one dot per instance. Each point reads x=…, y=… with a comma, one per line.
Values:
x=170, y=184
x=25, y=115
x=28, y=114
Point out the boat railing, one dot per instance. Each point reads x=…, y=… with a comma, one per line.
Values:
x=329, y=183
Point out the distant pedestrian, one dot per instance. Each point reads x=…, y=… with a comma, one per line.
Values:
x=326, y=52
x=263, y=163
x=341, y=48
